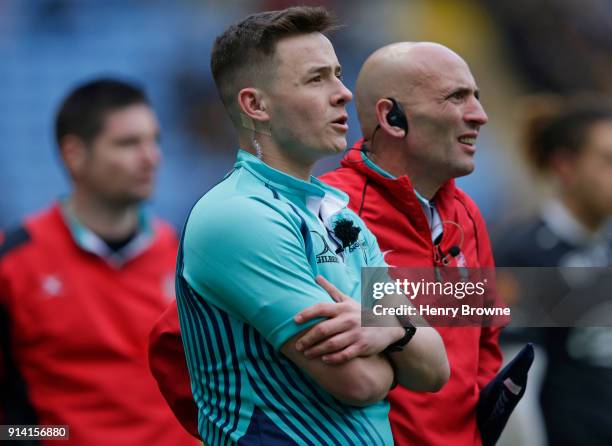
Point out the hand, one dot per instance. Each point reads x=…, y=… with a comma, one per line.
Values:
x=341, y=337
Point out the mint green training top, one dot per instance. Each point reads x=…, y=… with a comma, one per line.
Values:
x=250, y=251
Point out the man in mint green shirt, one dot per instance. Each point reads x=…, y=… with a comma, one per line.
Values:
x=269, y=243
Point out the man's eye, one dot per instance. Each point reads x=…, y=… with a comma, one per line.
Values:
x=340, y=76
x=316, y=79
x=127, y=143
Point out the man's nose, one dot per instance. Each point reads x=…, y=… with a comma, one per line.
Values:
x=475, y=114
x=151, y=153
x=343, y=96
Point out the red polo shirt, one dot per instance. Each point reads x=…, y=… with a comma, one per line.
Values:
x=75, y=334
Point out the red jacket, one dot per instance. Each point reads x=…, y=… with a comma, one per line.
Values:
x=393, y=213
x=169, y=367
x=74, y=335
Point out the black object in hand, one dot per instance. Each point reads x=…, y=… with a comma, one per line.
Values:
x=499, y=398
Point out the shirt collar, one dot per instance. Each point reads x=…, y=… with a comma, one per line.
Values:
x=315, y=195
x=372, y=165
x=89, y=241
x=564, y=225
x=433, y=217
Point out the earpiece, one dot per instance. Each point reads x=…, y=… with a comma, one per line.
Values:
x=397, y=117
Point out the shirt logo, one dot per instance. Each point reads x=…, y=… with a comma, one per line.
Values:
x=324, y=252
x=51, y=285
x=385, y=255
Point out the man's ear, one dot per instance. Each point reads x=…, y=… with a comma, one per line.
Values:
x=253, y=113
x=74, y=154
x=562, y=164
x=252, y=104
x=383, y=107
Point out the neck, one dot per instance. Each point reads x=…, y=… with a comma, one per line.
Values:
x=107, y=221
x=394, y=162
x=277, y=158
x=289, y=166
x=427, y=189
x=590, y=220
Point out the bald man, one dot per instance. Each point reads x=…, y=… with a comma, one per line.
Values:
x=420, y=116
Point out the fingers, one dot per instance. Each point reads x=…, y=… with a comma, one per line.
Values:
x=323, y=309
x=323, y=331
x=331, y=289
x=330, y=345
x=330, y=338
x=326, y=310
x=352, y=351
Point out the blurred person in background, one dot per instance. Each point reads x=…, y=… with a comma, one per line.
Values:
x=82, y=282
x=568, y=141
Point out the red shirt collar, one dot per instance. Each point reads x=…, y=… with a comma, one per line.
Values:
x=401, y=187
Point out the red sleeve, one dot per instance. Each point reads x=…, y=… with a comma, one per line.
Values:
x=12, y=397
x=490, y=356
x=168, y=366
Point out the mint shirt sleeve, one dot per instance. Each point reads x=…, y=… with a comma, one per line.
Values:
x=247, y=257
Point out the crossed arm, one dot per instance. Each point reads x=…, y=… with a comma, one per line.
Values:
x=343, y=372
x=421, y=366
x=286, y=289
x=360, y=381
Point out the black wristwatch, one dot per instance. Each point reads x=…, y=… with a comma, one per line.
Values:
x=409, y=331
